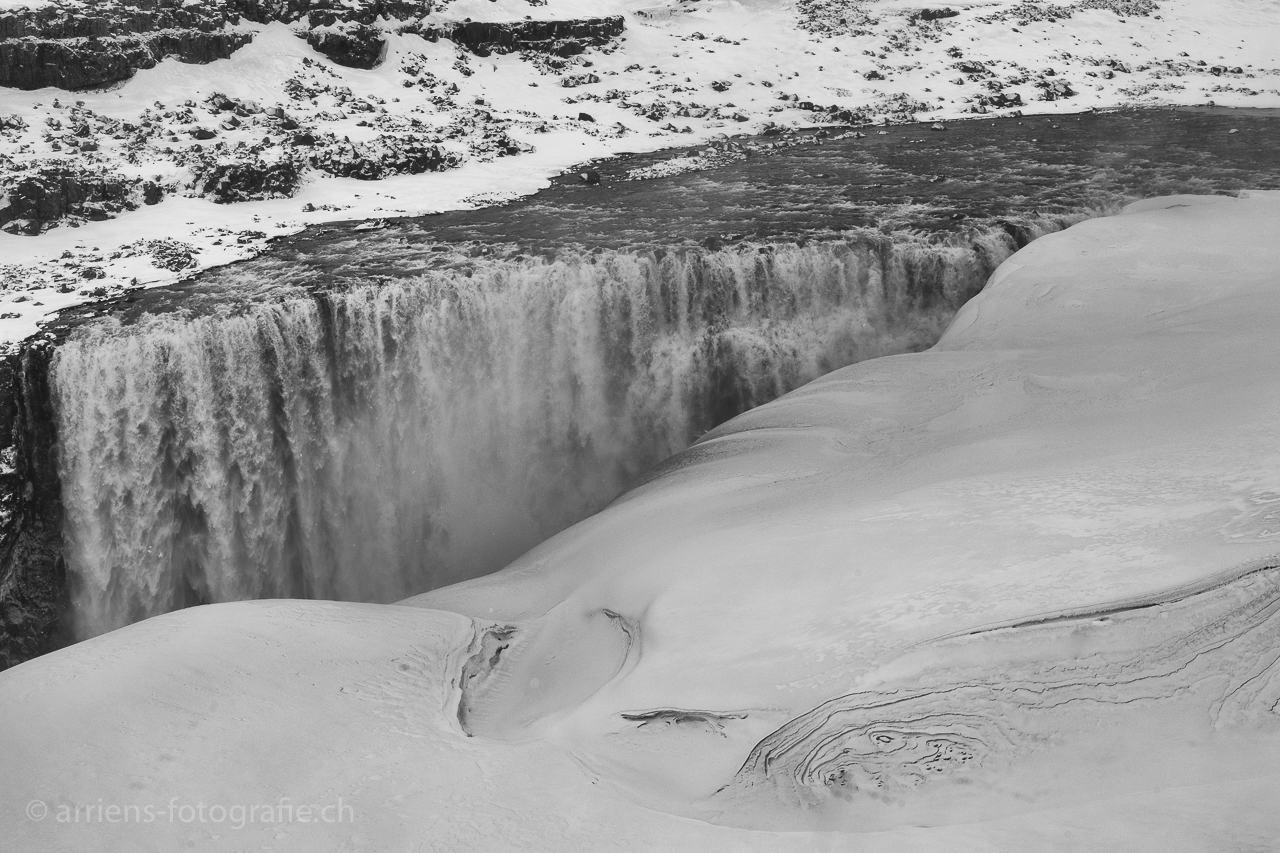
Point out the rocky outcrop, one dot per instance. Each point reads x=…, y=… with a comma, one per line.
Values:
x=378, y=158
x=354, y=45
x=561, y=38
x=34, y=597
x=38, y=199
x=248, y=180
x=1054, y=90
x=996, y=100
x=98, y=42
x=80, y=63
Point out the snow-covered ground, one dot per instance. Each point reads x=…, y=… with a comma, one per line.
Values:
x=1017, y=592
x=682, y=73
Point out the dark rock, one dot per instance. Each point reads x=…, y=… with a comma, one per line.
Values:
x=33, y=63
x=57, y=46
x=353, y=45
x=572, y=80
x=42, y=197
x=248, y=180
x=559, y=38
x=936, y=14
x=586, y=117
x=1001, y=100
x=34, y=598
x=386, y=155
x=1054, y=90
x=589, y=177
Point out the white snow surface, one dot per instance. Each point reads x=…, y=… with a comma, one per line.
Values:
x=1089, y=457
x=756, y=46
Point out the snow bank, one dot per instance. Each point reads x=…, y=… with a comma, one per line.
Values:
x=1015, y=592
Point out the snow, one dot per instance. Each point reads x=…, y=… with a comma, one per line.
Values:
x=763, y=53
x=1039, y=558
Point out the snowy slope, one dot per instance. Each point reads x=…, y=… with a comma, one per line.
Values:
x=682, y=73
x=1016, y=592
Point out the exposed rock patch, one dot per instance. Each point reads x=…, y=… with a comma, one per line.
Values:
x=29, y=63
x=354, y=45
x=34, y=597
x=98, y=42
x=34, y=200
x=560, y=38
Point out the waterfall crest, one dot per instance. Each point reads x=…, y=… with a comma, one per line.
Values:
x=385, y=439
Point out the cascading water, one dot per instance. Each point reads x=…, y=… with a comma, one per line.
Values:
x=382, y=440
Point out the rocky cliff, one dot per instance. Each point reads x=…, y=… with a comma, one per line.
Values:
x=34, y=616
x=99, y=42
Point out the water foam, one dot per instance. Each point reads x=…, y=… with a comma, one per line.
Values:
x=387, y=439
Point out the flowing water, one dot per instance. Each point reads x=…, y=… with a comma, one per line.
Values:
x=367, y=414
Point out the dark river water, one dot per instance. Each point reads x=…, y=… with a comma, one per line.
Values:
x=975, y=175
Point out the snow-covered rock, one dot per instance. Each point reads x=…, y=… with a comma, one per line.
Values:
x=1015, y=592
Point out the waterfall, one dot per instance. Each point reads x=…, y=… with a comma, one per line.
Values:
x=388, y=438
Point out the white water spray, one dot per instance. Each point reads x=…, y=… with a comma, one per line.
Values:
x=388, y=439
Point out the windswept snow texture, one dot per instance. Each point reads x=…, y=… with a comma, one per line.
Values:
x=171, y=153
x=1017, y=592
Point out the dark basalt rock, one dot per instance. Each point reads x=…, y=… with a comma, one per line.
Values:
x=32, y=63
x=43, y=197
x=936, y=14
x=1001, y=100
x=1054, y=90
x=353, y=45
x=34, y=597
x=248, y=180
x=387, y=155
x=99, y=42
x=560, y=38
